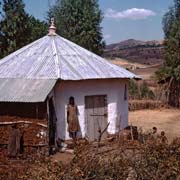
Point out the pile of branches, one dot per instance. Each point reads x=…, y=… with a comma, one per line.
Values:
x=110, y=161
x=130, y=161
x=34, y=167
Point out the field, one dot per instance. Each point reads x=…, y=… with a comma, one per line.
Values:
x=145, y=71
x=148, y=53
x=167, y=120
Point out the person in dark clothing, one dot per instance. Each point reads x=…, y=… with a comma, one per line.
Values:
x=163, y=138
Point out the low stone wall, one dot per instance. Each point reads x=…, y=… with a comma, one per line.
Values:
x=35, y=131
x=144, y=104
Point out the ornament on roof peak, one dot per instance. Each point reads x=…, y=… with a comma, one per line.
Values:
x=52, y=28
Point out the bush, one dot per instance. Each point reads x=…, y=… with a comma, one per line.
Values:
x=140, y=91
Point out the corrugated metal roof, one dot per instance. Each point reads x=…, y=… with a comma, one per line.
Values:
x=25, y=90
x=53, y=57
x=29, y=74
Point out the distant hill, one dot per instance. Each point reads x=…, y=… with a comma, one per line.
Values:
x=144, y=52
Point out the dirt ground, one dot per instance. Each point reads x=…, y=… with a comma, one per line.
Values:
x=147, y=72
x=65, y=157
x=167, y=120
x=143, y=70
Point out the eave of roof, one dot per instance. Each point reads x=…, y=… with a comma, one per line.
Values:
x=25, y=90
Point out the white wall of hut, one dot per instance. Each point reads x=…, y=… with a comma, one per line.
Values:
x=116, y=103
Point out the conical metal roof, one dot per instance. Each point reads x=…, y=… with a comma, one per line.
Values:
x=53, y=57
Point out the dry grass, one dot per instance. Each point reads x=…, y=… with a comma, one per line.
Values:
x=167, y=120
x=143, y=70
x=125, y=63
x=148, y=72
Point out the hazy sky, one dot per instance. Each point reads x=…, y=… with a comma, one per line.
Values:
x=123, y=19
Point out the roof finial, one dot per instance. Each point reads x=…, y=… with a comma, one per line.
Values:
x=52, y=28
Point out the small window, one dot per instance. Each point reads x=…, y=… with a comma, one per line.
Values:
x=125, y=92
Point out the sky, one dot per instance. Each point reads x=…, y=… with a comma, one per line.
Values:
x=123, y=19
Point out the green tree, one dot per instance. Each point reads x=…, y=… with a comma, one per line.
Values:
x=79, y=21
x=13, y=26
x=140, y=90
x=37, y=28
x=170, y=72
x=17, y=28
x=145, y=92
x=133, y=90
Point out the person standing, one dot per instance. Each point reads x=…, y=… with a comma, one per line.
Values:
x=14, y=142
x=163, y=138
x=154, y=133
x=72, y=118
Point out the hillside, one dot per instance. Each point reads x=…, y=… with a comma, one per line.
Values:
x=143, y=52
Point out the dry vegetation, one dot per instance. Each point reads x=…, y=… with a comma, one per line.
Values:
x=114, y=159
x=111, y=161
x=127, y=64
x=144, y=105
x=167, y=120
x=146, y=72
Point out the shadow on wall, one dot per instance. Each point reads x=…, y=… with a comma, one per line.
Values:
x=27, y=110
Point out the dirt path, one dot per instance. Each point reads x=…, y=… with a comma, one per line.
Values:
x=65, y=157
x=167, y=120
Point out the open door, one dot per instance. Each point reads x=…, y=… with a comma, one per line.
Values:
x=96, y=115
x=52, y=123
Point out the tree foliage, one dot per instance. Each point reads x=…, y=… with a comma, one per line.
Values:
x=170, y=72
x=171, y=27
x=140, y=91
x=79, y=21
x=17, y=28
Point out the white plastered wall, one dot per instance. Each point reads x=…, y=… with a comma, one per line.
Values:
x=117, y=105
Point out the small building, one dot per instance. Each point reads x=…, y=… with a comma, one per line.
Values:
x=37, y=80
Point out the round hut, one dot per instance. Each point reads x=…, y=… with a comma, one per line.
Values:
x=37, y=80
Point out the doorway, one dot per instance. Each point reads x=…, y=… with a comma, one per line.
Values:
x=96, y=115
x=52, y=123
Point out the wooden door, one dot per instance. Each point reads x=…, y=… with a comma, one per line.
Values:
x=96, y=115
